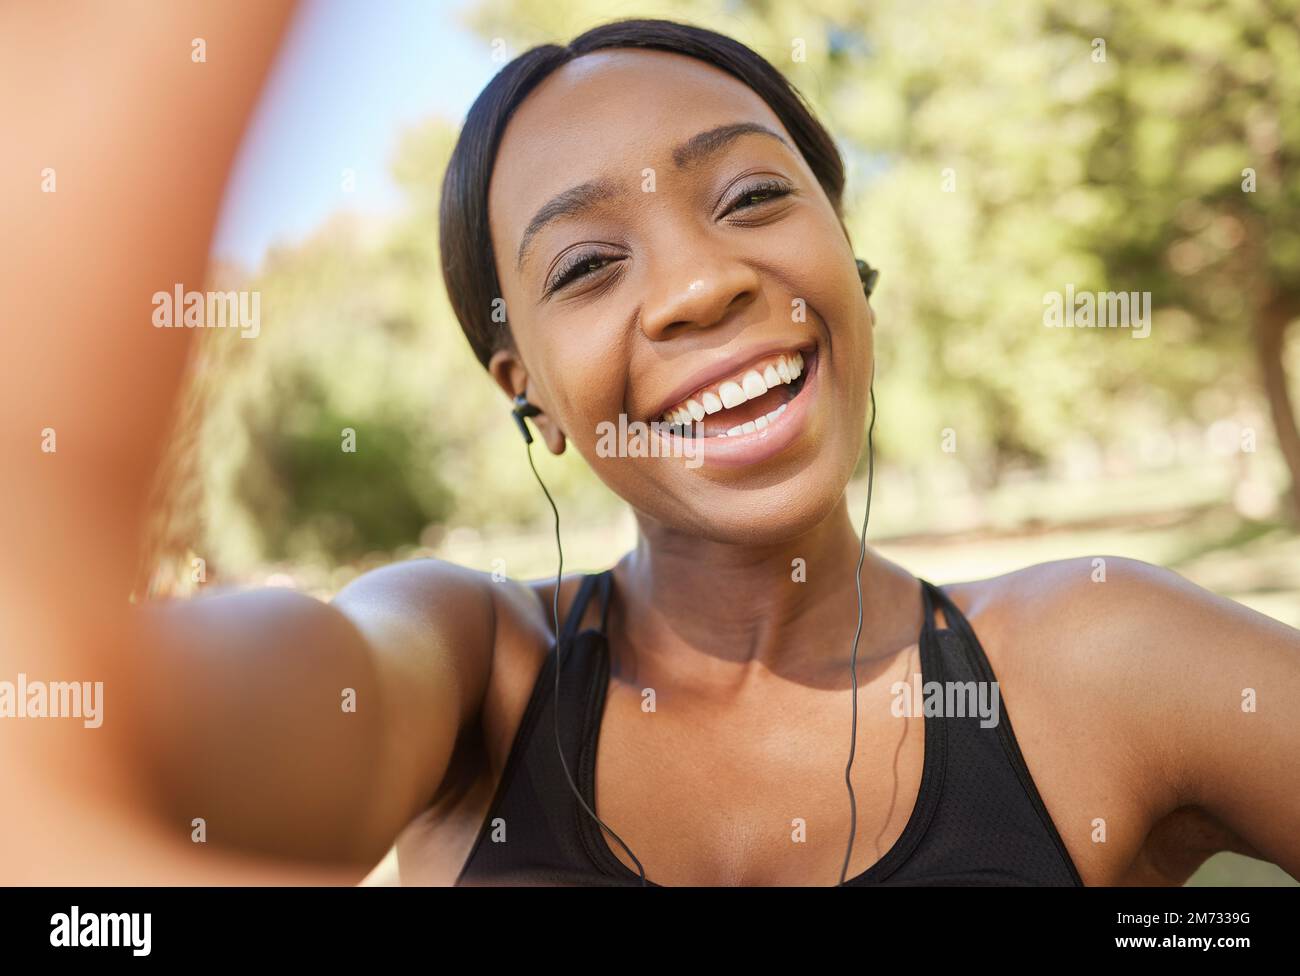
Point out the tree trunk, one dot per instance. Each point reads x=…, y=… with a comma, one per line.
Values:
x=1270, y=343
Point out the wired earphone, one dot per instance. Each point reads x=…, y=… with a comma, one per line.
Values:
x=523, y=409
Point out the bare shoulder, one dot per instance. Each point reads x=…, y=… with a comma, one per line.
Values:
x=488, y=634
x=1089, y=645
x=1113, y=618
x=1115, y=643
x=427, y=622
x=1185, y=699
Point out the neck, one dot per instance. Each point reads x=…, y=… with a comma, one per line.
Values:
x=790, y=607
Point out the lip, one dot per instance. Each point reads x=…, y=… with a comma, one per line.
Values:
x=739, y=450
x=723, y=369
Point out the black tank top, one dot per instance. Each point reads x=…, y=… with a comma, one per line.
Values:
x=978, y=818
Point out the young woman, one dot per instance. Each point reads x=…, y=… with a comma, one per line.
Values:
x=654, y=203
x=658, y=214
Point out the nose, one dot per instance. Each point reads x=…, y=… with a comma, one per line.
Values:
x=695, y=288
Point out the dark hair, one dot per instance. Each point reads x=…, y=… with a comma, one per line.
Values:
x=468, y=264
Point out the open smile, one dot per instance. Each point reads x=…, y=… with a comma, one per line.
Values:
x=747, y=401
x=750, y=415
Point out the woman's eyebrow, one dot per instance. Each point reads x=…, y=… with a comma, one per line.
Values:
x=711, y=141
x=576, y=199
x=572, y=201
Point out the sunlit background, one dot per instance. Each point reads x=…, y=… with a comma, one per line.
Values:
x=996, y=152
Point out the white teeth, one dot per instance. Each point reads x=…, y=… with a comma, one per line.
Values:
x=758, y=424
x=753, y=385
x=786, y=369
x=732, y=395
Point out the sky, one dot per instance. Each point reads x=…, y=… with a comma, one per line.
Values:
x=352, y=74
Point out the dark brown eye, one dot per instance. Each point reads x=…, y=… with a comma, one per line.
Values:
x=757, y=194
x=578, y=266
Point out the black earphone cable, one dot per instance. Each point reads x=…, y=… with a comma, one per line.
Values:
x=853, y=661
x=559, y=657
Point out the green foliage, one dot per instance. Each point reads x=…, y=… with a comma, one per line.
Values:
x=313, y=497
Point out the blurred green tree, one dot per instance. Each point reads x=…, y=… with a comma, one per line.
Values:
x=1195, y=136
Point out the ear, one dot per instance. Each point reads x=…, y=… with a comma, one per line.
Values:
x=508, y=370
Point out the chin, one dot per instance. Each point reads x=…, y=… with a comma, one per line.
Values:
x=743, y=515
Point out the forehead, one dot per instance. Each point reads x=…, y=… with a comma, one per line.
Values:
x=610, y=113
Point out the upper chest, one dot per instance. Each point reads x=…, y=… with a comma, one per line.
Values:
x=752, y=791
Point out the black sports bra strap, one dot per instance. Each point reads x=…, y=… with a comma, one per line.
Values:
x=956, y=619
x=927, y=600
x=578, y=608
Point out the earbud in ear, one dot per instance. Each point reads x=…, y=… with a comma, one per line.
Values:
x=868, y=276
x=521, y=410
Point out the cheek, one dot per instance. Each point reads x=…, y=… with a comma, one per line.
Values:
x=813, y=257
x=586, y=370
x=833, y=291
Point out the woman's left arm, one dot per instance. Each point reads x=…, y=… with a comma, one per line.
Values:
x=1234, y=728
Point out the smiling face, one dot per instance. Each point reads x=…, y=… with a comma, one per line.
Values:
x=665, y=253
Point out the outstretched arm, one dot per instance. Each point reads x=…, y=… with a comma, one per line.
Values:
x=118, y=142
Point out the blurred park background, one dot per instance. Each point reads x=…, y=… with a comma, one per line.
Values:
x=996, y=152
